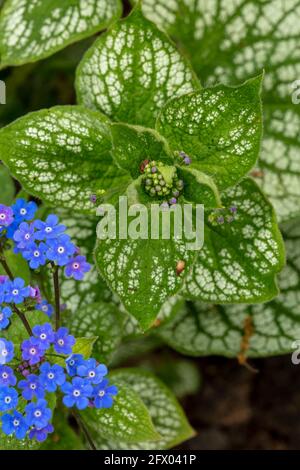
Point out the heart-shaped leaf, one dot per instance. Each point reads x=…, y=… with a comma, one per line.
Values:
x=132, y=71
x=62, y=155
x=30, y=31
x=219, y=128
x=166, y=413
x=239, y=260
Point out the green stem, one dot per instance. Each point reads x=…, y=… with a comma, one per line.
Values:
x=84, y=429
x=56, y=295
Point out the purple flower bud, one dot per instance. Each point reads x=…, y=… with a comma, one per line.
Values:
x=35, y=293
x=176, y=193
x=25, y=373
x=233, y=209
x=93, y=198
x=164, y=206
x=220, y=220
x=3, y=279
x=154, y=169
x=187, y=160
x=173, y=200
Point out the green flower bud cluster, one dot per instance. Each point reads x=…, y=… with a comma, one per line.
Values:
x=162, y=181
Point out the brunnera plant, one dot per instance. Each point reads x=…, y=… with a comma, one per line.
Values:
x=142, y=107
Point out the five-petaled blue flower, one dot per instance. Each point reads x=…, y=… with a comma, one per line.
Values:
x=7, y=376
x=63, y=342
x=38, y=414
x=93, y=372
x=45, y=334
x=24, y=210
x=6, y=215
x=41, y=434
x=77, y=393
x=24, y=236
x=32, y=350
x=14, y=424
x=5, y=314
x=52, y=376
x=49, y=229
x=6, y=351
x=45, y=307
x=77, y=267
x=103, y=394
x=60, y=250
x=8, y=398
x=16, y=292
x=32, y=387
x=36, y=255
x=72, y=362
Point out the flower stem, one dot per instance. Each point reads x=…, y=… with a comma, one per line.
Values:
x=84, y=429
x=57, y=296
x=15, y=308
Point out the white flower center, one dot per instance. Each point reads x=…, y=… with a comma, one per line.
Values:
x=16, y=423
x=44, y=308
x=1, y=316
x=15, y=292
x=76, y=393
x=43, y=336
x=2, y=216
x=4, y=352
x=48, y=229
x=23, y=211
x=33, y=386
x=60, y=250
x=7, y=400
x=101, y=393
x=76, y=265
x=32, y=351
x=36, y=253
x=50, y=375
x=92, y=374
x=61, y=342
x=37, y=413
x=72, y=362
x=27, y=236
x=5, y=375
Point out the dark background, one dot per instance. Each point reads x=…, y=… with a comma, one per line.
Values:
x=234, y=408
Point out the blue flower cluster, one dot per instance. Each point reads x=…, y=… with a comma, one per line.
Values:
x=45, y=363
x=41, y=242
x=81, y=382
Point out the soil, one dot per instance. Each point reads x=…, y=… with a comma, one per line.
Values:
x=236, y=409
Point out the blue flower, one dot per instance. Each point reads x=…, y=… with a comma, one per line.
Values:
x=37, y=414
x=72, y=362
x=60, y=250
x=77, y=267
x=32, y=350
x=93, y=372
x=77, y=393
x=16, y=292
x=41, y=434
x=5, y=314
x=32, y=387
x=7, y=377
x=8, y=398
x=24, y=235
x=36, y=255
x=45, y=334
x=6, y=351
x=103, y=394
x=14, y=424
x=45, y=307
x=24, y=210
x=6, y=216
x=63, y=342
x=52, y=376
x=49, y=229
